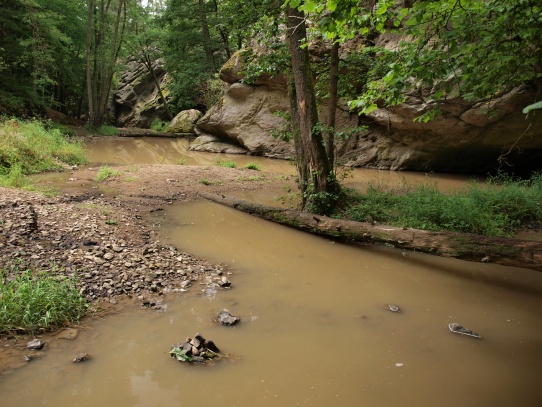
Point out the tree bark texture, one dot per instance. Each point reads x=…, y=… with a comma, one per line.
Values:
x=497, y=250
x=332, y=106
x=312, y=143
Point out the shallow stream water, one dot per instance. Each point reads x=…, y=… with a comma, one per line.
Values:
x=315, y=328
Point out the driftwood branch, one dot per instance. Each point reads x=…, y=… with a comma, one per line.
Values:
x=505, y=251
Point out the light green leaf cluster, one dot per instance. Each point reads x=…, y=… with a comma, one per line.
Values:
x=474, y=49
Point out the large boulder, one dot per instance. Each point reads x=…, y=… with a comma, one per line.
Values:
x=246, y=117
x=184, y=122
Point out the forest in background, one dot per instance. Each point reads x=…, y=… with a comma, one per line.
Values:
x=68, y=55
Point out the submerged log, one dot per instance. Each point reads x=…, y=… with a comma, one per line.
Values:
x=465, y=246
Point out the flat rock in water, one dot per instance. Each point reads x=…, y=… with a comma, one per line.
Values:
x=226, y=318
x=35, y=344
x=81, y=357
x=458, y=329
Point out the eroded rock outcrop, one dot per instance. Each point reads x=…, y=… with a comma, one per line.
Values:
x=136, y=102
x=465, y=138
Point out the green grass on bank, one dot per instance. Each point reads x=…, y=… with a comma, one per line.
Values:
x=37, y=301
x=497, y=207
x=30, y=147
x=106, y=172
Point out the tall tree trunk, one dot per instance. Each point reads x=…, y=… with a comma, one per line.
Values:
x=300, y=159
x=206, y=35
x=332, y=106
x=322, y=187
x=89, y=70
x=108, y=64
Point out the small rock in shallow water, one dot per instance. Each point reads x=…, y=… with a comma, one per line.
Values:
x=35, y=344
x=81, y=357
x=226, y=318
x=394, y=308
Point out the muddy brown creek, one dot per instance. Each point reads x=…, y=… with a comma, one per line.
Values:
x=314, y=330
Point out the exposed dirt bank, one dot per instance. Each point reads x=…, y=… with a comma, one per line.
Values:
x=106, y=240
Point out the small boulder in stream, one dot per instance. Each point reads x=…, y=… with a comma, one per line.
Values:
x=226, y=318
x=81, y=357
x=35, y=344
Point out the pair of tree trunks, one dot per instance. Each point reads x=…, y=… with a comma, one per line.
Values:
x=99, y=65
x=495, y=250
x=315, y=169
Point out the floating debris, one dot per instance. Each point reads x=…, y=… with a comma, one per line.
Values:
x=394, y=308
x=196, y=350
x=458, y=329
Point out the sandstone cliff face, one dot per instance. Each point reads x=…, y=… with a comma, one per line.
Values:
x=463, y=139
x=136, y=102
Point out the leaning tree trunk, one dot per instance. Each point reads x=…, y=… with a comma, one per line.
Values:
x=322, y=181
x=465, y=246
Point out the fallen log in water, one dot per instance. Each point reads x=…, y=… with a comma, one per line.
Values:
x=138, y=132
x=498, y=250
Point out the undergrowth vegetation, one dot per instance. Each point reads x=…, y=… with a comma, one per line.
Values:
x=30, y=147
x=106, y=172
x=497, y=207
x=37, y=301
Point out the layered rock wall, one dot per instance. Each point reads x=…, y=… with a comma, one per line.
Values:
x=467, y=137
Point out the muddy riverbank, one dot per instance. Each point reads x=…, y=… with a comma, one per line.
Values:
x=106, y=239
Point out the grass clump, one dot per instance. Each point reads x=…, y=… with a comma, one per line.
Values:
x=106, y=172
x=159, y=125
x=103, y=130
x=29, y=147
x=226, y=164
x=497, y=207
x=252, y=166
x=205, y=181
x=37, y=301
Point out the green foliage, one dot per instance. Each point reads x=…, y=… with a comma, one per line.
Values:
x=106, y=172
x=180, y=354
x=14, y=178
x=205, y=181
x=32, y=301
x=28, y=147
x=159, y=125
x=40, y=60
x=104, y=130
x=252, y=166
x=226, y=164
x=534, y=106
x=495, y=208
x=475, y=49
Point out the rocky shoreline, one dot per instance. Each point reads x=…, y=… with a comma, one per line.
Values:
x=103, y=242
